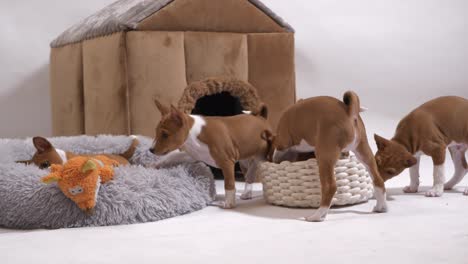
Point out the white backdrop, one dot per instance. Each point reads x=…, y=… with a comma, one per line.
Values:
x=395, y=54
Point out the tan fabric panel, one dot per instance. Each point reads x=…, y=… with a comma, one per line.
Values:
x=211, y=15
x=66, y=89
x=271, y=70
x=105, y=85
x=215, y=54
x=156, y=68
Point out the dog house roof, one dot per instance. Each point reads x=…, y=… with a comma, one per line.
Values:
x=126, y=15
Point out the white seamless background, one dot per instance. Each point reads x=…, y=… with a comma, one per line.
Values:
x=394, y=54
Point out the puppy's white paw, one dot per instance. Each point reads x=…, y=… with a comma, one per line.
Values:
x=223, y=204
x=229, y=199
x=318, y=216
x=465, y=192
x=246, y=195
x=315, y=218
x=434, y=192
x=410, y=189
x=381, y=198
x=380, y=208
x=227, y=205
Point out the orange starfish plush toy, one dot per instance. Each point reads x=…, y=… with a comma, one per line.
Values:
x=80, y=178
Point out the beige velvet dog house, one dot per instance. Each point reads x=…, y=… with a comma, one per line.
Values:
x=105, y=70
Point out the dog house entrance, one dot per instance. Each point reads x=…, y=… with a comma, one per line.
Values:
x=220, y=104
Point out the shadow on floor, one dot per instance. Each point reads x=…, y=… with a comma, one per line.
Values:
x=421, y=191
x=260, y=208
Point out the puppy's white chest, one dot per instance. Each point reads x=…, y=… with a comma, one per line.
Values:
x=194, y=147
x=198, y=150
x=303, y=147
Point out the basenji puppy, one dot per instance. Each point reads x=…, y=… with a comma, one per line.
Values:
x=46, y=154
x=217, y=141
x=429, y=129
x=329, y=127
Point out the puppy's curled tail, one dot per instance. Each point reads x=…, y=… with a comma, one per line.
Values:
x=262, y=111
x=351, y=100
x=131, y=150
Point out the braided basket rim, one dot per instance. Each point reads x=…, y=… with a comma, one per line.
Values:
x=297, y=184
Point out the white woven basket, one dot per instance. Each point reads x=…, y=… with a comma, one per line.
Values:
x=297, y=184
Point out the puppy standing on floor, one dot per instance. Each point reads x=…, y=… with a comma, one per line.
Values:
x=328, y=126
x=217, y=141
x=428, y=129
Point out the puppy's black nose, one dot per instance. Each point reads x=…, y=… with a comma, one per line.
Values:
x=151, y=150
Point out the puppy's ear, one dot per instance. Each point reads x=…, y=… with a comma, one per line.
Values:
x=41, y=144
x=162, y=108
x=411, y=162
x=176, y=115
x=381, y=142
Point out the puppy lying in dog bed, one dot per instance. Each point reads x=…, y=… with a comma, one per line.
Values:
x=138, y=193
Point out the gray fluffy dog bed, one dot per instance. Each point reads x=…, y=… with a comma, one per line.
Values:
x=136, y=194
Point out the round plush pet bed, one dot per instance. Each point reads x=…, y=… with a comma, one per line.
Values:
x=136, y=194
x=297, y=184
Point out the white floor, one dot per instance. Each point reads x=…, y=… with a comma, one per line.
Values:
x=415, y=230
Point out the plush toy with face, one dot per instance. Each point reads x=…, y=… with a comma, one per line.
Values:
x=80, y=178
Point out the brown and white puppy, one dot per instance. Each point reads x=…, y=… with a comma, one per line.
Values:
x=46, y=154
x=217, y=141
x=428, y=129
x=328, y=126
